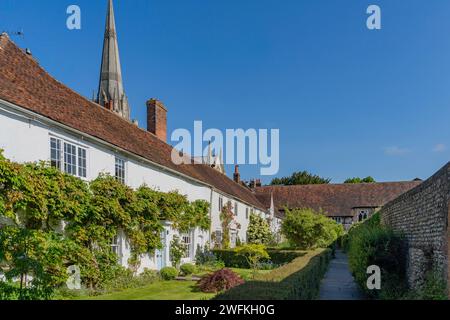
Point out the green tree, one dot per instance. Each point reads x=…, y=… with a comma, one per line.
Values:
x=253, y=253
x=300, y=178
x=308, y=229
x=258, y=231
x=360, y=180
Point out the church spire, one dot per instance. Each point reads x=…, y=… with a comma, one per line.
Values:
x=111, y=94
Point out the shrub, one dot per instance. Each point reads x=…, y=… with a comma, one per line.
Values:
x=253, y=253
x=434, y=288
x=168, y=273
x=308, y=229
x=187, y=269
x=298, y=280
x=372, y=244
x=219, y=281
x=148, y=277
x=204, y=256
x=258, y=231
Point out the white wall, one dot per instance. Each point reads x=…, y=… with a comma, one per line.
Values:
x=26, y=140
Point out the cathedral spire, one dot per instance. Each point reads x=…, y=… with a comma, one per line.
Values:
x=111, y=94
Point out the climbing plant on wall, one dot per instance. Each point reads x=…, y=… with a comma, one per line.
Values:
x=227, y=218
x=50, y=220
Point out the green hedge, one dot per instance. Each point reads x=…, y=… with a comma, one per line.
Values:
x=298, y=280
x=371, y=243
x=278, y=257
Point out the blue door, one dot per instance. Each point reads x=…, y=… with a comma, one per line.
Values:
x=161, y=253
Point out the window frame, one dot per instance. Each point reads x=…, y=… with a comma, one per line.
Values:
x=115, y=245
x=55, y=153
x=123, y=169
x=187, y=244
x=68, y=157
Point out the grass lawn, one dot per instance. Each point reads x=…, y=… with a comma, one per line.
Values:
x=161, y=290
x=169, y=290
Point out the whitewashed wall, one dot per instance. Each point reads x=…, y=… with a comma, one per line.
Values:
x=25, y=138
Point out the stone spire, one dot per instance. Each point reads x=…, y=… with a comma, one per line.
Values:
x=111, y=94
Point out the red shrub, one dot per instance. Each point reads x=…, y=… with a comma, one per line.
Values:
x=219, y=281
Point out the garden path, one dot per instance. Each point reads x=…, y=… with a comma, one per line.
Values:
x=338, y=283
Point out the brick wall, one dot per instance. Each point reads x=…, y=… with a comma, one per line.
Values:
x=422, y=215
x=157, y=119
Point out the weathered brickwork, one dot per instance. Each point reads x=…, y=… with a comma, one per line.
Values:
x=422, y=215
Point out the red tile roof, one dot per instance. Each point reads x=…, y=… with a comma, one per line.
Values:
x=335, y=199
x=24, y=83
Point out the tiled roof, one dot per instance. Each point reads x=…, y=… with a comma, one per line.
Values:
x=24, y=83
x=335, y=199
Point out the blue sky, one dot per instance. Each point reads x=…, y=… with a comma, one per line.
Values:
x=348, y=101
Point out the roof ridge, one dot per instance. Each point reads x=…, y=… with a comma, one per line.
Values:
x=337, y=184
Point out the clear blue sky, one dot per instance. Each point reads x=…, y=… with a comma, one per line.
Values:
x=348, y=101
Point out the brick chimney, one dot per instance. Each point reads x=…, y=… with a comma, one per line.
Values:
x=237, y=175
x=157, y=119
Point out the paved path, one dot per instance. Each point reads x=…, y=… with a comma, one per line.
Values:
x=338, y=283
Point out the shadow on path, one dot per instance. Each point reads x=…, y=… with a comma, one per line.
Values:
x=338, y=283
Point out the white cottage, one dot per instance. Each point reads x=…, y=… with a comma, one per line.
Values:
x=41, y=119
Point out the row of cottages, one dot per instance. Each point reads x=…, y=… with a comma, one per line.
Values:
x=41, y=119
x=345, y=203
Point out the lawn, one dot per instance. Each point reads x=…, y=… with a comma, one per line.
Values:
x=160, y=290
x=168, y=290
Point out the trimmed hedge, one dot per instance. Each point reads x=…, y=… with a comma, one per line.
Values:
x=278, y=257
x=298, y=280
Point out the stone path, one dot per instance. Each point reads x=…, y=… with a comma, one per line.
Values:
x=338, y=283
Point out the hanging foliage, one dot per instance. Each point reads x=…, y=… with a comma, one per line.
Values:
x=50, y=220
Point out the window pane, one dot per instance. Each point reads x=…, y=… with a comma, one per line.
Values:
x=55, y=153
x=187, y=243
x=82, y=162
x=70, y=158
x=120, y=170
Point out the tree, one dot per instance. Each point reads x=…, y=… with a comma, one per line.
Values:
x=300, y=178
x=258, y=231
x=355, y=180
x=308, y=229
x=253, y=253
